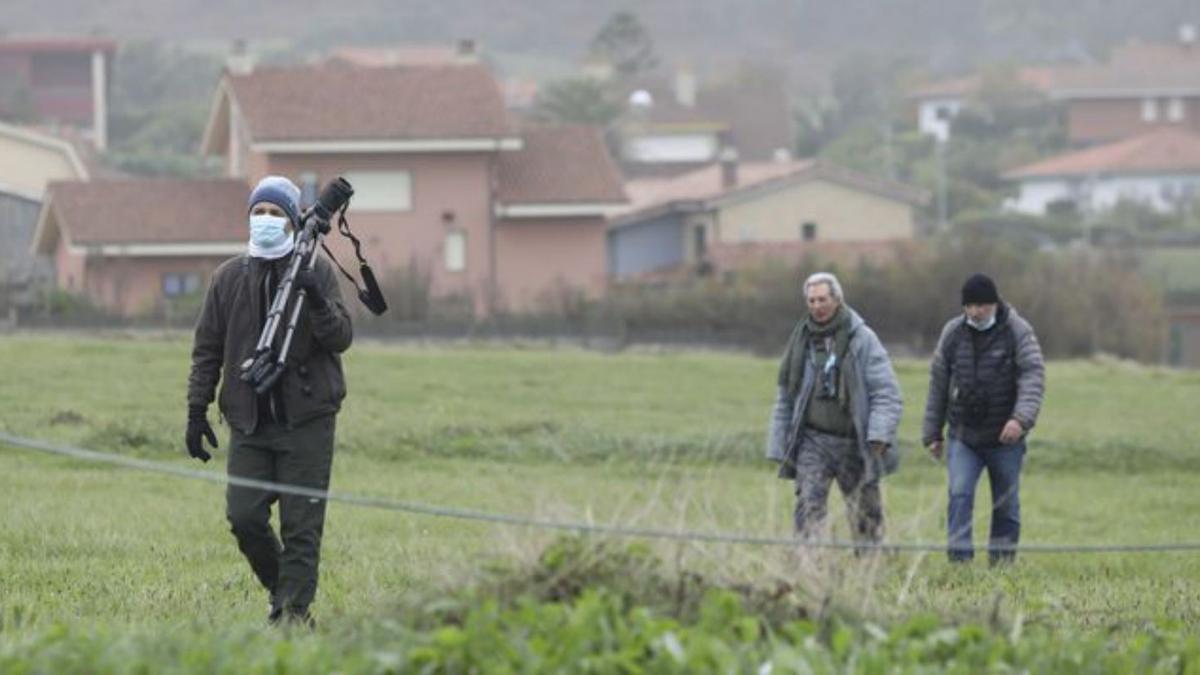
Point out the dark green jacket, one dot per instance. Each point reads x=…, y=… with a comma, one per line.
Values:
x=227, y=333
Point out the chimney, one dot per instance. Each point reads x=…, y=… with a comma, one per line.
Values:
x=466, y=51
x=239, y=61
x=728, y=159
x=685, y=87
x=100, y=88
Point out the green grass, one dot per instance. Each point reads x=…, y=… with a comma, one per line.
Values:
x=640, y=439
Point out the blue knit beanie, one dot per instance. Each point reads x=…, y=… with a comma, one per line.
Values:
x=278, y=191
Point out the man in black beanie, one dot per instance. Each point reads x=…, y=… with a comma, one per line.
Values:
x=986, y=384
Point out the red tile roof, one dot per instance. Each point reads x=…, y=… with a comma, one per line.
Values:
x=1166, y=150
x=337, y=103
x=157, y=211
x=1134, y=69
x=559, y=164
x=705, y=184
x=1154, y=54
x=1126, y=80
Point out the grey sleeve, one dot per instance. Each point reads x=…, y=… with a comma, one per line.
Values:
x=1031, y=378
x=939, y=391
x=780, y=426
x=886, y=405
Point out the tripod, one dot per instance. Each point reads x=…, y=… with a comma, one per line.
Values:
x=266, y=366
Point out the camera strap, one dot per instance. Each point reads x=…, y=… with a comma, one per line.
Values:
x=369, y=292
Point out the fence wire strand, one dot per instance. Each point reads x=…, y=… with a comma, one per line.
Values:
x=685, y=535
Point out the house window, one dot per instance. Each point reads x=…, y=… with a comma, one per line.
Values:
x=1149, y=110
x=808, y=232
x=1062, y=207
x=456, y=251
x=380, y=190
x=175, y=284
x=1175, y=110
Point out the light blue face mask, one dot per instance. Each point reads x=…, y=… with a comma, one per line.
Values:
x=982, y=325
x=267, y=231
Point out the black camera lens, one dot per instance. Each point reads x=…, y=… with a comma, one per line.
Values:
x=333, y=198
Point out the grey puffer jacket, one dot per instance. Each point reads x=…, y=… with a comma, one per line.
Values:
x=1011, y=375
x=875, y=404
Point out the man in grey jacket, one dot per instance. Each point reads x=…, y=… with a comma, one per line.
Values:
x=835, y=414
x=987, y=381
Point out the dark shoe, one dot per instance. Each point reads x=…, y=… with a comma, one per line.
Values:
x=275, y=611
x=1002, y=559
x=293, y=617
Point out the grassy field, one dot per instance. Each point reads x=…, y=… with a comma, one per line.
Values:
x=100, y=563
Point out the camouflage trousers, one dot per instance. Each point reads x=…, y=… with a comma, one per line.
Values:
x=822, y=459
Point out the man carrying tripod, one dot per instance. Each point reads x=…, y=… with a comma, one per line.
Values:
x=284, y=434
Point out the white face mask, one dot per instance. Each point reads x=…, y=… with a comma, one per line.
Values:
x=982, y=325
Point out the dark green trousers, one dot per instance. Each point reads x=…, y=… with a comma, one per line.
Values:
x=299, y=456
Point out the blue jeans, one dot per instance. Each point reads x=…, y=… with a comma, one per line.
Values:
x=1003, y=464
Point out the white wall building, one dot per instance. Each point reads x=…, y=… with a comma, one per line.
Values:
x=1160, y=169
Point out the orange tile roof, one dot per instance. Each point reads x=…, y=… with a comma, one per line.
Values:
x=1166, y=150
x=558, y=164
x=339, y=103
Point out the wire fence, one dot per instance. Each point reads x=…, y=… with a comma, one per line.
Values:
x=420, y=508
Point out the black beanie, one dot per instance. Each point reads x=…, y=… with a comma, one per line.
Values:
x=979, y=289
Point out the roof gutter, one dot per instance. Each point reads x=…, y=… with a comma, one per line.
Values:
x=430, y=145
x=558, y=210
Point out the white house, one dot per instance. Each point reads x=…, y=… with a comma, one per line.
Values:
x=939, y=102
x=1160, y=169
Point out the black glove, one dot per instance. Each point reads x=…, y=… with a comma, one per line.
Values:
x=307, y=281
x=197, y=430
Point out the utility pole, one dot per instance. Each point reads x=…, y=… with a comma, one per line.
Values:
x=939, y=155
x=889, y=159
x=1089, y=216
